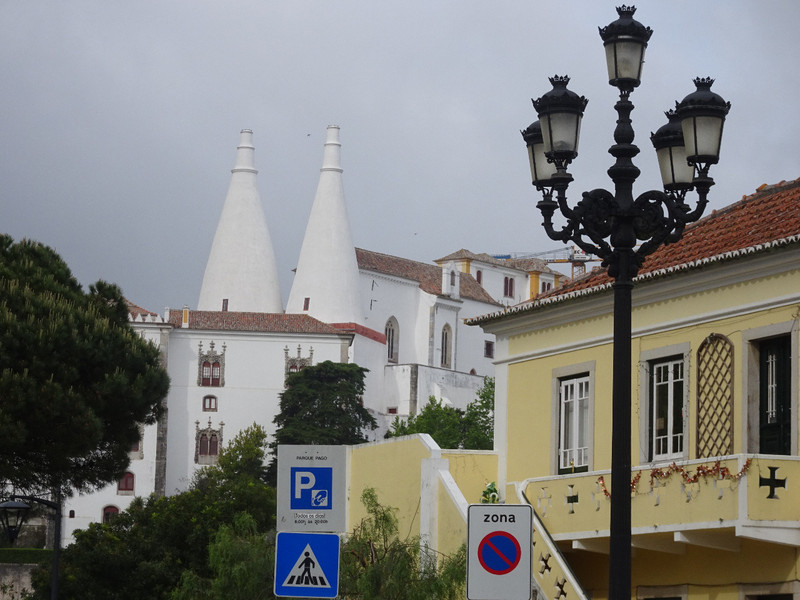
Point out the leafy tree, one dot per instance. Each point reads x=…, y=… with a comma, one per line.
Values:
x=479, y=419
x=377, y=565
x=144, y=551
x=75, y=379
x=443, y=423
x=451, y=427
x=322, y=405
x=242, y=560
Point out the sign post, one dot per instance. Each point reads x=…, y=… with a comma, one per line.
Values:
x=499, y=551
x=312, y=498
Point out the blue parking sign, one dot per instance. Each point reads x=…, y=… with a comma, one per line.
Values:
x=311, y=488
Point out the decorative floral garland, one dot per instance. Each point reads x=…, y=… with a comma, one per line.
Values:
x=716, y=471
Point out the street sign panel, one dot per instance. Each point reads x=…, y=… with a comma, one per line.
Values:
x=312, y=488
x=306, y=565
x=499, y=551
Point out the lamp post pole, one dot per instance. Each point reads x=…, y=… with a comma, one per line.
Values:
x=620, y=229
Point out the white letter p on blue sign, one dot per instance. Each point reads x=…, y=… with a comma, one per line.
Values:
x=303, y=480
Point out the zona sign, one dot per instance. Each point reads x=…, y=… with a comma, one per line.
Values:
x=499, y=551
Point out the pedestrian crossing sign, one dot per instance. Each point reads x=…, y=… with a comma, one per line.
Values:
x=307, y=565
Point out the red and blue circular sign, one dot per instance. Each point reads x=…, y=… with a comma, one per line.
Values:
x=499, y=552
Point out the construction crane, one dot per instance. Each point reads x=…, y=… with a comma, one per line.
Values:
x=573, y=255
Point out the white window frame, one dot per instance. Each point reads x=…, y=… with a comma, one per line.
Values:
x=647, y=360
x=565, y=376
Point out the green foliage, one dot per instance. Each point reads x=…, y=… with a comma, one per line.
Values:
x=75, y=379
x=25, y=556
x=450, y=427
x=144, y=551
x=242, y=560
x=377, y=565
x=479, y=419
x=443, y=423
x=322, y=405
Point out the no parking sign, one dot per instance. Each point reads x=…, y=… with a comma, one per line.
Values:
x=499, y=552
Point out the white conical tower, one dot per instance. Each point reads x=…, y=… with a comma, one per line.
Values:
x=326, y=282
x=241, y=272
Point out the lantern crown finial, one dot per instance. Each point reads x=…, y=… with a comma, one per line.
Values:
x=626, y=26
x=704, y=99
x=560, y=96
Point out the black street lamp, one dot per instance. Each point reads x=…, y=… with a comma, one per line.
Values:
x=620, y=229
x=14, y=512
x=13, y=515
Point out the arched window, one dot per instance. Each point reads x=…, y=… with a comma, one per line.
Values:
x=447, y=341
x=479, y=277
x=508, y=287
x=126, y=484
x=211, y=366
x=392, y=331
x=452, y=278
x=109, y=512
x=207, y=444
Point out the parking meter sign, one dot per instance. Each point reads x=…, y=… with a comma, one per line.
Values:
x=312, y=488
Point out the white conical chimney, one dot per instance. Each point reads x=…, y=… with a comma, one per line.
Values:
x=326, y=283
x=241, y=272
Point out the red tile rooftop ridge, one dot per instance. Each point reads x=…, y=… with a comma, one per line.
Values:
x=763, y=221
x=251, y=321
x=428, y=276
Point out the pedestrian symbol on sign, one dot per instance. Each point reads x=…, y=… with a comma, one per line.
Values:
x=306, y=572
x=306, y=565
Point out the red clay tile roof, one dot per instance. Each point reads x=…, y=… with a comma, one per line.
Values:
x=137, y=311
x=757, y=223
x=251, y=321
x=428, y=276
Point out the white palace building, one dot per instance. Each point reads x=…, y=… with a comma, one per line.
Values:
x=228, y=359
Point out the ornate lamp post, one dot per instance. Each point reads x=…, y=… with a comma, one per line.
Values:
x=620, y=229
x=14, y=512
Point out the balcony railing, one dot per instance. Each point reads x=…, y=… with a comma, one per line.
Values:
x=709, y=501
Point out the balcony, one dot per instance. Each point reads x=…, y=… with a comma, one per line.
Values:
x=709, y=502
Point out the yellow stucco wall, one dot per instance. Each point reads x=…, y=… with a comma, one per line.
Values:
x=393, y=470
x=472, y=471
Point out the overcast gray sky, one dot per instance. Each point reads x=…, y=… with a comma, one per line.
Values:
x=120, y=120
